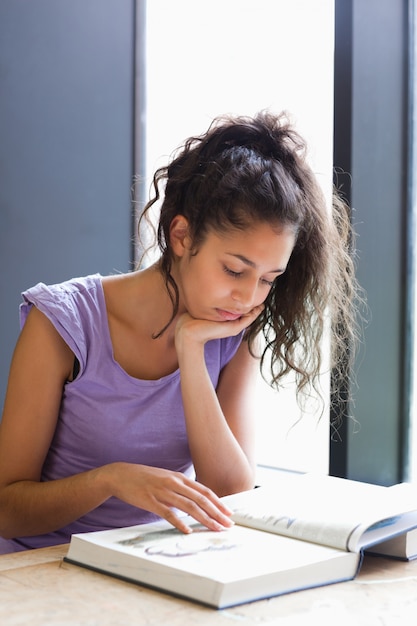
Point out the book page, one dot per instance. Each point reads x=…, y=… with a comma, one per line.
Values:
x=322, y=509
x=242, y=550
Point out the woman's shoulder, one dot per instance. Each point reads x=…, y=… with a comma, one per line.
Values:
x=68, y=299
x=75, y=307
x=64, y=290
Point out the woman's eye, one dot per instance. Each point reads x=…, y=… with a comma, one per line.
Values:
x=268, y=282
x=231, y=272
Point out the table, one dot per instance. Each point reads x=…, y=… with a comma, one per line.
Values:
x=38, y=588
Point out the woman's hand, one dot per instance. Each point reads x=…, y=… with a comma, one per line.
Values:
x=190, y=328
x=160, y=491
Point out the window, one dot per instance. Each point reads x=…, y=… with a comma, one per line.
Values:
x=239, y=56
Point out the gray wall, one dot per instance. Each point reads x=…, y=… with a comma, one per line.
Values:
x=379, y=175
x=371, y=140
x=66, y=146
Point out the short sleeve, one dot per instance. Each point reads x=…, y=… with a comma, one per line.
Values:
x=69, y=307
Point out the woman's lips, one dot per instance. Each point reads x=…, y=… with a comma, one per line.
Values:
x=228, y=316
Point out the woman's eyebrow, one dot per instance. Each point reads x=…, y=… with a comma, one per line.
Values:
x=247, y=261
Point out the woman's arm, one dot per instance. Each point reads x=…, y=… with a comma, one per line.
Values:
x=41, y=364
x=220, y=425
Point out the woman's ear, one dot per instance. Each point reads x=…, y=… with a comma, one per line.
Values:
x=179, y=234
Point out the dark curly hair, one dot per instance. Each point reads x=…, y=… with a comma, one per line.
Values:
x=245, y=170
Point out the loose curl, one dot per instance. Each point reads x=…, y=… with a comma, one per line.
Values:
x=247, y=170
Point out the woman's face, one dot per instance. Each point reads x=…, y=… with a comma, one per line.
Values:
x=230, y=273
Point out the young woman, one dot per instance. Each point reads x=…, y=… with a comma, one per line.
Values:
x=129, y=396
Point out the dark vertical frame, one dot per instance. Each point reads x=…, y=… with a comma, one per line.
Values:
x=411, y=256
x=139, y=123
x=342, y=158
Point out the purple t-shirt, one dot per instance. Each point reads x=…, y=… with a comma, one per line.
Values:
x=107, y=415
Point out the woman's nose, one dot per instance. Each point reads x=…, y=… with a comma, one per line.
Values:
x=244, y=294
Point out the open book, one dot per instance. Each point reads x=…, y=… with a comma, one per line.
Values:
x=308, y=531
